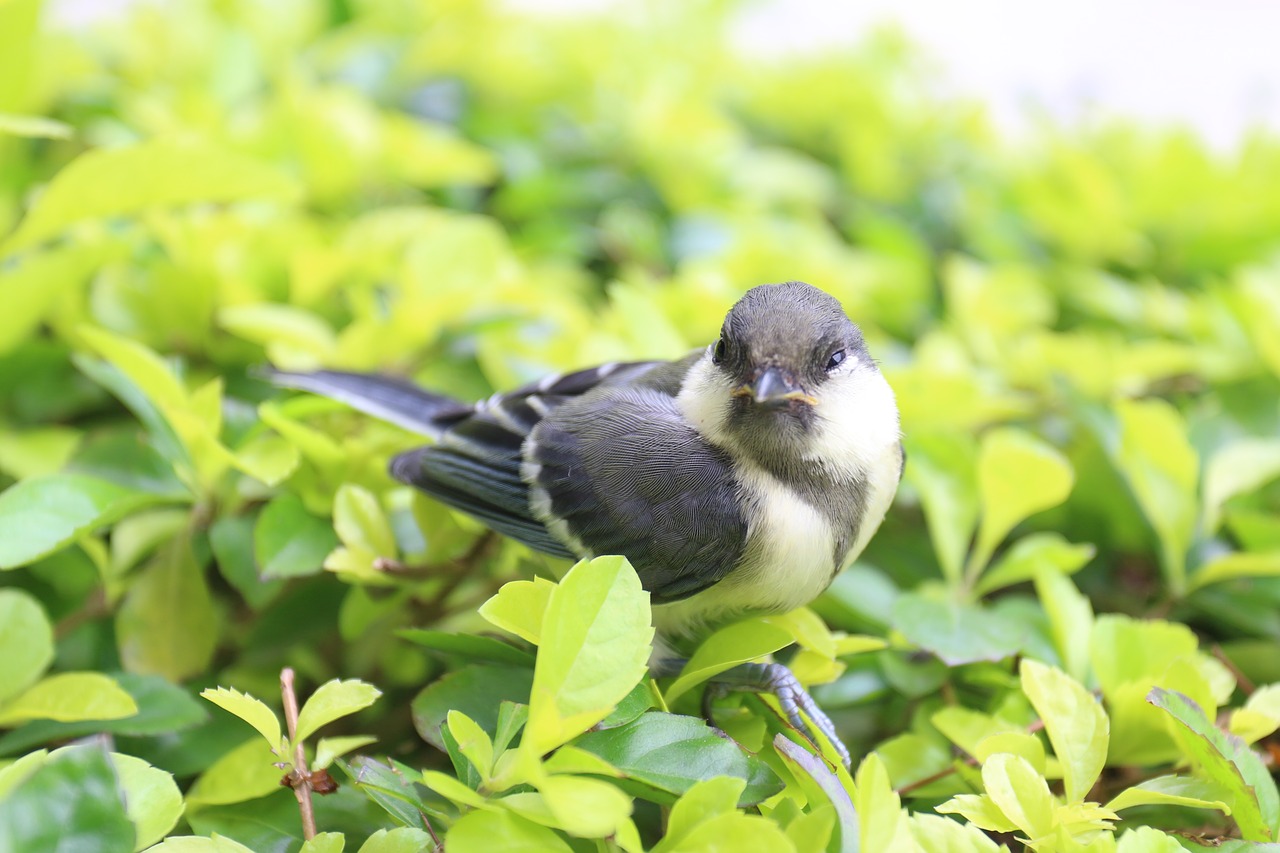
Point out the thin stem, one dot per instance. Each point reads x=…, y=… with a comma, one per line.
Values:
x=300, y=778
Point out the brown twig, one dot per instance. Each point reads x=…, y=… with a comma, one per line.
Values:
x=1247, y=687
x=300, y=778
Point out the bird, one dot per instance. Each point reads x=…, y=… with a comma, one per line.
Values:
x=737, y=480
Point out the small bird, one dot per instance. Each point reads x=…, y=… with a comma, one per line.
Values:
x=737, y=480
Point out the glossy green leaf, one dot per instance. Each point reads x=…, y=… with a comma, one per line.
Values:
x=252, y=711
x=328, y=749
x=1145, y=839
x=199, y=844
x=404, y=839
x=334, y=700
x=477, y=691
x=152, y=799
x=163, y=709
x=586, y=808
x=1161, y=467
x=26, y=643
x=167, y=624
x=43, y=514
x=129, y=180
x=594, y=648
x=734, y=831
x=1020, y=793
x=1228, y=763
x=944, y=469
x=325, y=842
x=1075, y=722
x=245, y=773
x=1018, y=476
x=708, y=798
x=666, y=755
x=934, y=834
x=1239, y=564
x=74, y=801
x=1070, y=620
x=469, y=646
x=290, y=542
x=67, y=697
x=1239, y=468
x=1032, y=554
x=519, y=607
x=1174, y=791
x=473, y=742
x=733, y=644
x=485, y=831
x=360, y=521
x=956, y=633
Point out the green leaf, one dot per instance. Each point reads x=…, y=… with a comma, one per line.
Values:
x=163, y=709
x=1173, y=791
x=957, y=633
x=477, y=691
x=583, y=807
x=708, y=798
x=731, y=645
x=67, y=697
x=126, y=181
x=325, y=842
x=1032, y=554
x=518, y=608
x=26, y=642
x=199, y=844
x=73, y=802
x=469, y=646
x=167, y=624
x=1070, y=619
x=34, y=127
x=473, y=742
x=594, y=648
x=734, y=831
x=1239, y=468
x=486, y=831
x=293, y=336
x=391, y=788
x=1157, y=459
x=944, y=470
x=330, y=748
x=1021, y=794
x=31, y=290
x=1145, y=839
x=665, y=755
x=152, y=799
x=360, y=521
x=1075, y=723
x=290, y=542
x=1226, y=761
x=245, y=773
x=935, y=834
x=405, y=839
x=1018, y=476
x=331, y=701
x=252, y=711
x=44, y=514
x=1239, y=564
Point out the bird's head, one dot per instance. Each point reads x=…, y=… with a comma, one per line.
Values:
x=789, y=371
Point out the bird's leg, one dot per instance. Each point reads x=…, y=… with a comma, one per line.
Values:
x=776, y=679
x=772, y=678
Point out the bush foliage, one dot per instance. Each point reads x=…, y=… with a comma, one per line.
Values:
x=1066, y=636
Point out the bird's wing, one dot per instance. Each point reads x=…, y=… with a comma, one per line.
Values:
x=475, y=467
x=388, y=398
x=621, y=471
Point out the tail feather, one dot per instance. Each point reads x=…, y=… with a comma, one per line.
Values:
x=393, y=400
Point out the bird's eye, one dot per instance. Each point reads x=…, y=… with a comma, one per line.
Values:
x=837, y=358
x=717, y=355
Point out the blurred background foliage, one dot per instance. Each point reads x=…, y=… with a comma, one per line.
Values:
x=1082, y=328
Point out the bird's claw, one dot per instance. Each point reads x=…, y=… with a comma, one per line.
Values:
x=796, y=703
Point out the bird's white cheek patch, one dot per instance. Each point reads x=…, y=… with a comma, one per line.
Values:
x=704, y=401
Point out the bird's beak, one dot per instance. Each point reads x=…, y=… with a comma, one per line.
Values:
x=774, y=388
